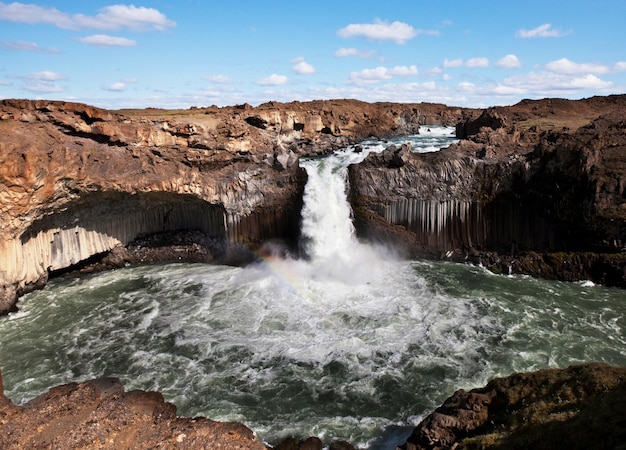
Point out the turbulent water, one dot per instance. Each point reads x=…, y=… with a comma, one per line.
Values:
x=348, y=343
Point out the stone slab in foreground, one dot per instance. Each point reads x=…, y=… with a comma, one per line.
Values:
x=99, y=414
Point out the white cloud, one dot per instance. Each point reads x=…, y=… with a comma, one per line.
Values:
x=369, y=76
x=117, y=87
x=452, y=62
x=46, y=75
x=218, y=79
x=43, y=82
x=103, y=40
x=620, y=66
x=588, y=82
x=542, y=31
x=550, y=84
x=343, y=52
x=403, y=71
x=472, y=62
x=399, y=32
x=41, y=88
x=435, y=71
x=272, y=80
x=381, y=73
x=477, y=62
x=564, y=65
x=112, y=17
x=300, y=66
x=507, y=90
x=25, y=46
x=509, y=62
x=466, y=86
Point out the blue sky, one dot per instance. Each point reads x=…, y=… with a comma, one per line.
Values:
x=177, y=54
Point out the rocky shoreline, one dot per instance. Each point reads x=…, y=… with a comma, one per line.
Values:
x=535, y=188
x=581, y=407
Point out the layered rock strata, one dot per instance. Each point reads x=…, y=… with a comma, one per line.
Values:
x=549, y=203
x=77, y=182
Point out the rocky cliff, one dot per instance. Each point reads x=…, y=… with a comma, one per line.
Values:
x=77, y=182
x=529, y=190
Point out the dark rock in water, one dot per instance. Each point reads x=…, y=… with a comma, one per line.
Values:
x=292, y=443
x=582, y=407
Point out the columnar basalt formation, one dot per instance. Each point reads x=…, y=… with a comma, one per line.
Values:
x=512, y=197
x=77, y=181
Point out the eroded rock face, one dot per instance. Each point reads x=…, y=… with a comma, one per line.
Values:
x=580, y=407
x=77, y=181
x=100, y=414
x=508, y=193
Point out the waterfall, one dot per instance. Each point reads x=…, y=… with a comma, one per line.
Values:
x=326, y=226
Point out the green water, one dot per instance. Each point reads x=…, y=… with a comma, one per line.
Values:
x=288, y=347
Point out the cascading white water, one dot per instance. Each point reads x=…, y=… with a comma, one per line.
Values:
x=326, y=216
x=347, y=344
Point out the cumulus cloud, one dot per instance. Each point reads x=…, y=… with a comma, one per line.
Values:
x=399, y=32
x=343, y=52
x=120, y=85
x=103, y=40
x=564, y=65
x=403, y=71
x=477, y=62
x=472, y=62
x=272, y=80
x=46, y=75
x=218, y=79
x=43, y=82
x=371, y=76
x=509, y=62
x=542, y=31
x=550, y=83
x=117, y=87
x=620, y=66
x=112, y=17
x=24, y=46
x=300, y=66
x=452, y=62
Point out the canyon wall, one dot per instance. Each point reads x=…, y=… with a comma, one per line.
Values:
x=77, y=182
x=511, y=195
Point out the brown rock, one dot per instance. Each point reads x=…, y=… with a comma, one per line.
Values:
x=77, y=181
x=507, y=193
x=581, y=407
x=99, y=414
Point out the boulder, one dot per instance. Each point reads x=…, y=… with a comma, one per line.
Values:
x=100, y=414
x=580, y=407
